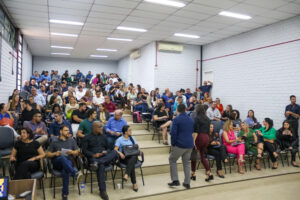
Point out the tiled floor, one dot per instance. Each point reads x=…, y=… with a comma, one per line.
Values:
x=157, y=184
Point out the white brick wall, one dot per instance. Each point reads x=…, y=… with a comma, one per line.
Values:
x=141, y=70
x=8, y=82
x=261, y=80
x=178, y=70
x=27, y=63
x=72, y=64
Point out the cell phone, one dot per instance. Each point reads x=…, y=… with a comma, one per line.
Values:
x=104, y=152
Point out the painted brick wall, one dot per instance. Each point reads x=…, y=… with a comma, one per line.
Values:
x=72, y=64
x=8, y=82
x=27, y=62
x=263, y=79
x=178, y=70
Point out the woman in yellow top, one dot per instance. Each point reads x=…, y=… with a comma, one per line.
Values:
x=265, y=138
x=103, y=114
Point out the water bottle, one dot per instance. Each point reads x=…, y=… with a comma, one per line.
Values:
x=82, y=188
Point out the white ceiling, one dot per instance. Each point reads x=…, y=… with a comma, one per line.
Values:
x=101, y=17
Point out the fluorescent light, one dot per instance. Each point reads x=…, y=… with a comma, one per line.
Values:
x=120, y=39
x=61, y=47
x=99, y=56
x=110, y=50
x=56, y=21
x=235, y=15
x=186, y=35
x=131, y=29
x=167, y=3
x=64, y=34
x=63, y=54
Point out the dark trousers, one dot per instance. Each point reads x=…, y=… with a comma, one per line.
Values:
x=25, y=169
x=102, y=161
x=202, y=142
x=270, y=148
x=64, y=165
x=219, y=154
x=130, y=162
x=295, y=126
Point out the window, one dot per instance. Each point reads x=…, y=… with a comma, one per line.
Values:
x=7, y=29
x=19, y=61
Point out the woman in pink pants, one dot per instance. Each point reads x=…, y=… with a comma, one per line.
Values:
x=233, y=144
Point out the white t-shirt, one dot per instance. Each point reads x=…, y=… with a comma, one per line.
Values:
x=97, y=100
x=79, y=95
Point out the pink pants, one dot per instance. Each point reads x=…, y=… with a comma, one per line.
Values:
x=238, y=150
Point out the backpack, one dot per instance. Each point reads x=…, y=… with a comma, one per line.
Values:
x=136, y=117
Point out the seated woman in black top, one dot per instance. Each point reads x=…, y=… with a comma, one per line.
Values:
x=216, y=149
x=27, y=154
x=288, y=141
x=227, y=113
x=161, y=117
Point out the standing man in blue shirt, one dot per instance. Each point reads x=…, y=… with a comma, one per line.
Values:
x=292, y=113
x=114, y=127
x=205, y=88
x=182, y=144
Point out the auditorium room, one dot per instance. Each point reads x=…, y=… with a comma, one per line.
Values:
x=149, y=99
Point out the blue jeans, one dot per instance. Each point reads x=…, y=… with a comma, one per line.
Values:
x=64, y=165
x=102, y=162
x=111, y=140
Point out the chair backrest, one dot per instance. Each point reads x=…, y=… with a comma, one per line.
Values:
x=6, y=137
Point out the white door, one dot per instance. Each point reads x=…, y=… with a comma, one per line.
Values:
x=208, y=76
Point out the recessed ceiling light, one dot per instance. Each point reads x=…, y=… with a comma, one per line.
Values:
x=99, y=56
x=235, y=15
x=186, y=35
x=64, y=34
x=131, y=29
x=110, y=50
x=167, y=3
x=56, y=21
x=120, y=39
x=63, y=54
x=61, y=47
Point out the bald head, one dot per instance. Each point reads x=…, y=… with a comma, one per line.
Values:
x=97, y=128
x=118, y=114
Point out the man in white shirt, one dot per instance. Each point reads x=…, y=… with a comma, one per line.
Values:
x=215, y=116
x=70, y=89
x=213, y=113
x=80, y=93
x=98, y=99
x=108, y=86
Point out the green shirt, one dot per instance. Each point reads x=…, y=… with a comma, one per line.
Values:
x=249, y=140
x=270, y=134
x=86, y=127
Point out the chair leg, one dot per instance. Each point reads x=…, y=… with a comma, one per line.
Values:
x=43, y=188
x=142, y=175
x=263, y=159
x=79, y=191
x=287, y=159
x=224, y=163
x=91, y=181
x=280, y=155
x=122, y=178
x=153, y=134
x=250, y=162
x=229, y=161
x=54, y=187
x=113, y=179
x=198, y=165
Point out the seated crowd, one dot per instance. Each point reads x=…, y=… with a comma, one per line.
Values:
x=65, y=115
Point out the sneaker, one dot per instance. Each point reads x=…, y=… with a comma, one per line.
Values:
x=174, y=183
x=104, y=195
x=187, y=186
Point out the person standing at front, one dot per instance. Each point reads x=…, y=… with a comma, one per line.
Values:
x=182, y=145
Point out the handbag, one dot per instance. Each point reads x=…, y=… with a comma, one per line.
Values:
x=131, y=150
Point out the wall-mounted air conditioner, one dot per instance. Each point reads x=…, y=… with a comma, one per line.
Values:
x=170, y=47
x=135, y=54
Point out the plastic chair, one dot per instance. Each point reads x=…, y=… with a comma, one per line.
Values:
x=6, y=143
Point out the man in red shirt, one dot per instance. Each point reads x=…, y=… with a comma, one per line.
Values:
x=109, y=106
